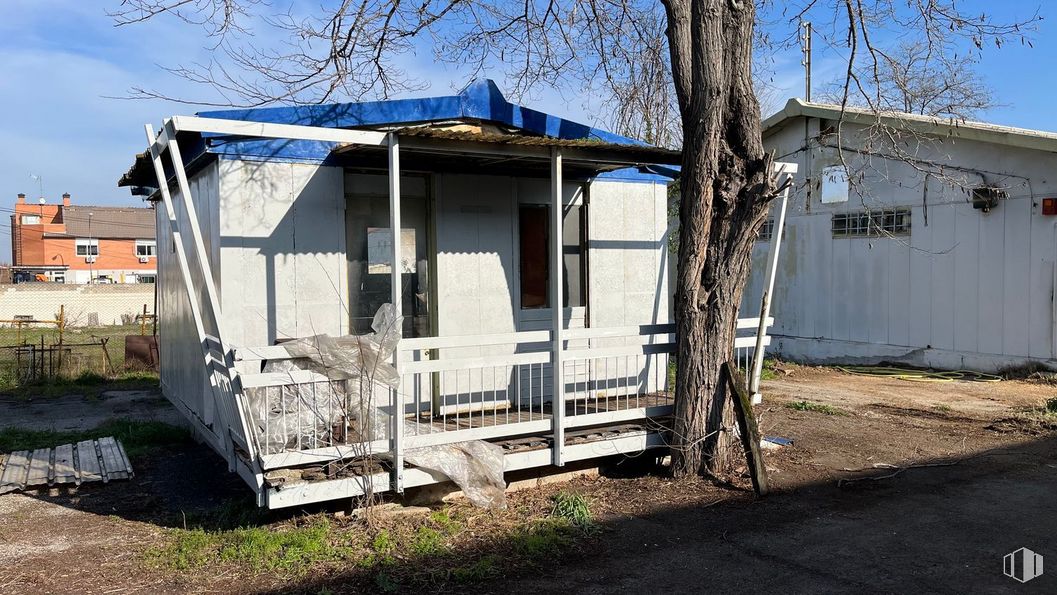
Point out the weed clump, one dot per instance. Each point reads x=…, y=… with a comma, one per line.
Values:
x=815, y=408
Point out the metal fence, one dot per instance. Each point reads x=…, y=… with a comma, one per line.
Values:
x=50, y=331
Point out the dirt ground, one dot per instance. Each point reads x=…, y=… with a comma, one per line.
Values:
x=946, y=481
x=80, y=412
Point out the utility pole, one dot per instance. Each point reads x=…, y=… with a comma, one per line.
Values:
x=805, y=47
x=91, y=257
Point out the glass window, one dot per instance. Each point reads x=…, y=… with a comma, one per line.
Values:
x=86, y=247
x=146, y=248
x=834, y=184
x=30, y=219
x=766, y=231
x=369, y=251
x=534, y=234
x=573, y=249
x=147, y=278
x=875, y=223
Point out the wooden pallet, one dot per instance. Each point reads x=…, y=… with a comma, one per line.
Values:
x=90, y=460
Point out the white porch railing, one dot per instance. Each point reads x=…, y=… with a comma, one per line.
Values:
x=476, y=387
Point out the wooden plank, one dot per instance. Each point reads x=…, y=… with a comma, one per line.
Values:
x=39, y=465
x=88, y=467
x=15, y=471
x=63, y=471
x=750, y=433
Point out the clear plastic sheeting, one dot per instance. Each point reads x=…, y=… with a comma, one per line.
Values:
x=345, y=409
x=475, y=466
x=353, y=406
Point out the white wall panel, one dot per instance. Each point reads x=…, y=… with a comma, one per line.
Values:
x=966, y=302
x=942, y=235
x=991, y=292
x=1016, y=277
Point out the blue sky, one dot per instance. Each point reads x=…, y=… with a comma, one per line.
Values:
x=62, y=60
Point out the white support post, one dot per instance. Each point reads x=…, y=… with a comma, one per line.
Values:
x=785, y=170
x=558, y=308
x=396, y=279
x=181, y=255
x=230, y=397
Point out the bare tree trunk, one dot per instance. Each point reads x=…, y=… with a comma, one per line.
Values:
x=726, y=188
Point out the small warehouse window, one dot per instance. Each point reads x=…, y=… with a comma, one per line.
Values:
x=87, y=247
x=871, y=223
x=534, y=237
x=146, y=248
x=766, y=232
x=834, y=184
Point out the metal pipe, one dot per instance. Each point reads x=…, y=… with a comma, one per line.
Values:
x=557, y=308
x=396, y=279
x=784, y=169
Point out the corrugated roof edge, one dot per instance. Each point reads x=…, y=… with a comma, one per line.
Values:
x=947, y=127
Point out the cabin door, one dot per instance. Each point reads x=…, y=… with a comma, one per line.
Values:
x=533, y=300
x=369, y=242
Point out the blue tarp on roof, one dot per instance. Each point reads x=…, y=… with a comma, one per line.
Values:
x=481, y=100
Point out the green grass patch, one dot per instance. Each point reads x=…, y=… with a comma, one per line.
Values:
x=543, y=539
x=87, y=383
x=770, y=368
x=399, y=555
x=138, y=437
x=574, y=508
x=85, y=354
x=486, y=568
x=291, y=550
x=815, y=408
x=1050, y=407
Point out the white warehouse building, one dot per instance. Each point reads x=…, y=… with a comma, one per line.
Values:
x=913, y=240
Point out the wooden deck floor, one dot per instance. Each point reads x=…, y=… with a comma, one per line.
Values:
x=512, y=415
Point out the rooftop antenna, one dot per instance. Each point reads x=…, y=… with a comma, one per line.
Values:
x=40, y=183
x=805, y=47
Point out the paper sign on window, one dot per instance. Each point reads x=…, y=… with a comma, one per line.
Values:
x=834, y=184
x=380, y=250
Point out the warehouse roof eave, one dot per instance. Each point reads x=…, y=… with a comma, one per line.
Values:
x=931, y=125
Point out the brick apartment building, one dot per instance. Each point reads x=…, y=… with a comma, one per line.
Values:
x=63, y=243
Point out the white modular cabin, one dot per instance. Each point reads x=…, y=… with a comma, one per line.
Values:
x=939, y=252
x=277, y=225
